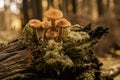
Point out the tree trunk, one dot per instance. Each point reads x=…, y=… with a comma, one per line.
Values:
x=37, y=9
x=74, y=5
x=25, y=12
x=100, y=7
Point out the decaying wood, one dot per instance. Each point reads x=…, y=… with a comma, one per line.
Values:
x=14, y=60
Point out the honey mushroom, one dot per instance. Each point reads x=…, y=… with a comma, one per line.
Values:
x=53, y=14
x=35, y=24
x=61, y=24
x=50, y=34
x=45, y=25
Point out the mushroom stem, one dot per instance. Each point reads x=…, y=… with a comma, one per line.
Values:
x=60, y=33
x=53, y=25
x=63, y=32
x=44, y=36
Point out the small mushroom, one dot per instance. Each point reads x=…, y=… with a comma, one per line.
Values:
x=45, y=25
x=61, y=24
x=53, y=14
x=34, y=24
x=50, y=34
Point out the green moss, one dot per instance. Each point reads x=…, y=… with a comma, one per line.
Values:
x=71, y=56
x=27, y=34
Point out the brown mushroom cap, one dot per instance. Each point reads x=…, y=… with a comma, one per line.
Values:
x=51, y=34
x=54, y=14
x=63, y=23
x=46, y=24
x=34, y=23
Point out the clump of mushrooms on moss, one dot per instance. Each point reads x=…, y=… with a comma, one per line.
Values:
x=53, y=14
x=53, y=29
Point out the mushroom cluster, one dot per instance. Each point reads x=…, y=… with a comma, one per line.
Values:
x=53, y=29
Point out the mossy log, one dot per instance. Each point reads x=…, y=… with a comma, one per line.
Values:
x=12, y=58
x=19, y=61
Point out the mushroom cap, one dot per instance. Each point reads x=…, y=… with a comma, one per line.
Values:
x=63, y=23
x=54, y=14
x=35, y=23
x=51, y=34
x=46, y=24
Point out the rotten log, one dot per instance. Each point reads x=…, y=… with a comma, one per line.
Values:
x=11, y=59
x=19, y=61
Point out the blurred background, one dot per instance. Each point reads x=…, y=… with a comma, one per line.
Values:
x=14, y=14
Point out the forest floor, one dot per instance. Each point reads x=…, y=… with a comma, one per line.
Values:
x=110, y=62
x=7, y=36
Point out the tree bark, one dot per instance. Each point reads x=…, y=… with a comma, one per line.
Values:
x=37, y=9
x=12, y=60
